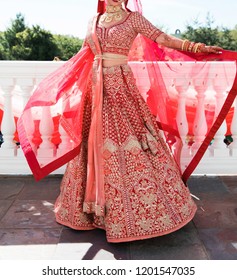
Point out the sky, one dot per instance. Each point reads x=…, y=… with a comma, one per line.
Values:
x=70, y=17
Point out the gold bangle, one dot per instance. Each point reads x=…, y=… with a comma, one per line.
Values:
x=187, y=46
x=191, y=46
x=195, y=47
x=183, y=44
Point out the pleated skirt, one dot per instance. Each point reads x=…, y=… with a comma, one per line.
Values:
x=144, y=192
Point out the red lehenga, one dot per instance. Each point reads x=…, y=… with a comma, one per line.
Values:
x=122, y=175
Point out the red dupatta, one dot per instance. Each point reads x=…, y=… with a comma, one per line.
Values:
x=62, y=93
x=64, y=90
x=164, y=106
x=94, y=196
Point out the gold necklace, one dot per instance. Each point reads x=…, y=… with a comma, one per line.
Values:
x=112, y=13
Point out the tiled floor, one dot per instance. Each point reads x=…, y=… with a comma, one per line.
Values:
x=28, y=229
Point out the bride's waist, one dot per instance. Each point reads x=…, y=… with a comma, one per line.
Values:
x=112, y=59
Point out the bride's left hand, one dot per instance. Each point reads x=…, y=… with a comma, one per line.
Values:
x=211, y=49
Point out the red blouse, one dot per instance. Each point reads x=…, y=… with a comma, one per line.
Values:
x=119, y=37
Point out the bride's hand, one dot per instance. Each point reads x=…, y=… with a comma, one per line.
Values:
x=211, y=49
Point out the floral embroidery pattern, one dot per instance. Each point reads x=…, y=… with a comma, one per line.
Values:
x=145, y=196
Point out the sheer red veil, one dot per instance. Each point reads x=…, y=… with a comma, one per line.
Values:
x=61, y=95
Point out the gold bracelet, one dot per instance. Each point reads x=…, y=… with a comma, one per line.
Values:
x=183, y=45
x=191, y=46
x=187, y=46
x=196, y=46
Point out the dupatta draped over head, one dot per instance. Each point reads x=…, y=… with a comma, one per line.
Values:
x=62, y=93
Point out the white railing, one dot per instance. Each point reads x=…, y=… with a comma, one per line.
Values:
x=19, y=78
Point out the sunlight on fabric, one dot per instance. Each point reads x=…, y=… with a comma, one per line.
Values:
x=62, y=251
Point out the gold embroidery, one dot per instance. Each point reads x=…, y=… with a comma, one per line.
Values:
x=118, y=38
x=144, y=193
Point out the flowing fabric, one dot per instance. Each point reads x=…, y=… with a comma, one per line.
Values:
x=62, y=92
x=95, y=176
x=165, y=107
x=109, y=126
x=69, y=82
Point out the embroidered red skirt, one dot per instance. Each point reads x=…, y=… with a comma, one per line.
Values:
x=144, y=193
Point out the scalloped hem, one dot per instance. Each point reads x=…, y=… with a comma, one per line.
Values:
x=136, y=238
x=132, y=238
x=68, y=224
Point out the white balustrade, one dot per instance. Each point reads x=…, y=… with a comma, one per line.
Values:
x=18, y=80
x=46, y=128
x=200, y=123
x=220, y=90
x=8, y=124
x=65, y=139
x=181, y=117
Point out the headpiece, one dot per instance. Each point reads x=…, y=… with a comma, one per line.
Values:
x=131, y=5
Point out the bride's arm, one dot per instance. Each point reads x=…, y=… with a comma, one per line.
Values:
x=146, y=28
x=185, y=45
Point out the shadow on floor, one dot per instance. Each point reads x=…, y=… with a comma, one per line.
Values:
x=28, y=229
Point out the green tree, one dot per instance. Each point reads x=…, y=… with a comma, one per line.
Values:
x=210, y=35
x=67, y=45
x=227, y=40
x=17, y=25
x=19, y=42
x=234, y=36
x=198, y=32
x=34, y=44
x=3, y=47
x=234, y=33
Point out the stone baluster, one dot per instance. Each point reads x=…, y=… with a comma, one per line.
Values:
x=26, y=91
x=182, y=122
x=200, y=123
x=46, y=148
x=36, y=136
x=219, y=85
x=181, y=117
x=8, y=124
x=65, y=141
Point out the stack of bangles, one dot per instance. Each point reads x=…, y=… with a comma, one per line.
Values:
x=192, y=47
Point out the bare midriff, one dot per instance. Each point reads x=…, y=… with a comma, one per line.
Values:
x=112, y=59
